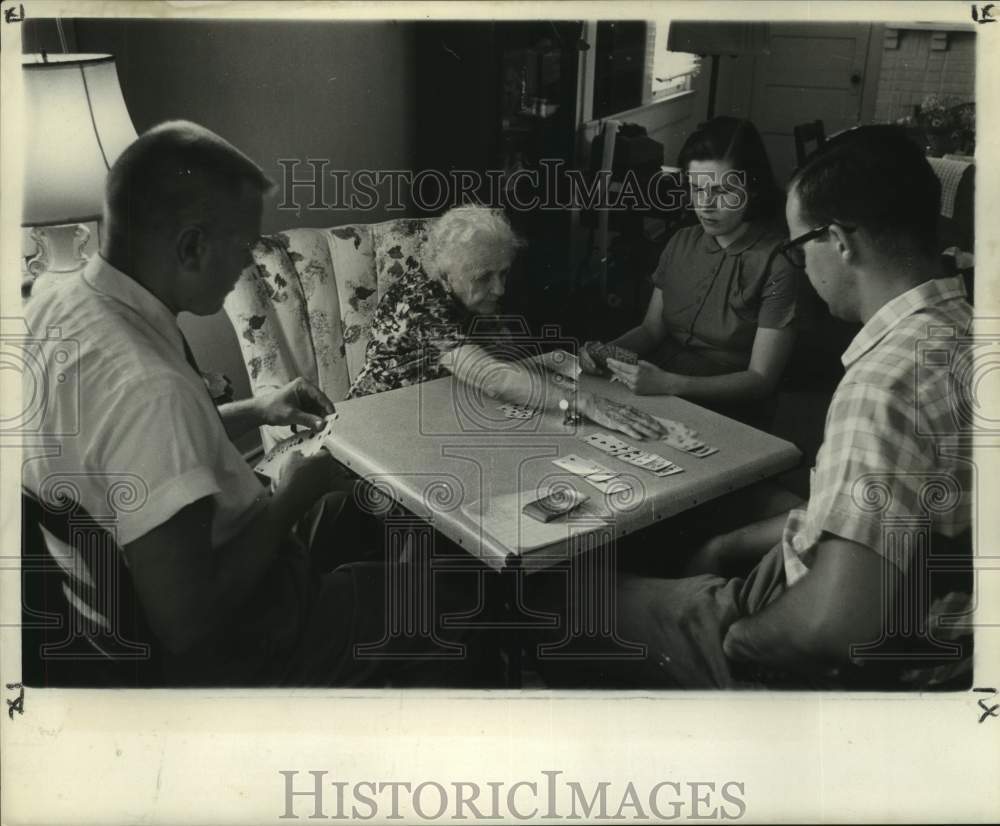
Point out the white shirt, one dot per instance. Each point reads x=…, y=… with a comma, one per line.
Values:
x=135, y=435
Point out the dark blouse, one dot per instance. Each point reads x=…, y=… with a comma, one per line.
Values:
x=714, y=299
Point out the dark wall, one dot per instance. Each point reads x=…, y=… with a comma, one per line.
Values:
x=338, y=91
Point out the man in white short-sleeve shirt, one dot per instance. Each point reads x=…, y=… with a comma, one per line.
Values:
x=222, y=582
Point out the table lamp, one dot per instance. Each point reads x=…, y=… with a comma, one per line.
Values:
x=715, y=39
x=76, y=126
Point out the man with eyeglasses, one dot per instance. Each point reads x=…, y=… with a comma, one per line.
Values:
x=816, y=582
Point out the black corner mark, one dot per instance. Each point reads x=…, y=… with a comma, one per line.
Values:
x=16, y=704
x=984, y=13
x=988, y=710
x=13, y=14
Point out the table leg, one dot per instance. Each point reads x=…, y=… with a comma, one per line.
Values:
x=591, y=599
x=410, y=599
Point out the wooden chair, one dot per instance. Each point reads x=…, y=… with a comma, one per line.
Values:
x=808, y=138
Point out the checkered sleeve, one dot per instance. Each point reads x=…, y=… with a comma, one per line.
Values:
x=871, y=467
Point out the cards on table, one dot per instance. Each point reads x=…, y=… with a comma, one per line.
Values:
x=682, y=437
x=517, y=411
x=601, y=352
x=614, y=446
x=305, y=442
x=592, y=473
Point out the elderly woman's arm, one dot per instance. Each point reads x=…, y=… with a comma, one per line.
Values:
x=518, y=383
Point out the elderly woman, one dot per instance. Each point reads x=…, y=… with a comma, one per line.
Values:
x=420, y=330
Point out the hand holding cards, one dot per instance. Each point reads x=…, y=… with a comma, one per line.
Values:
x=305, y=442
x=600, y=353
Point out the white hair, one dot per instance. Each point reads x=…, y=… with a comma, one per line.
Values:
x=468, y=240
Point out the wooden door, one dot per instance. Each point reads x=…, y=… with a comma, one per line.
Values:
x=813, y=71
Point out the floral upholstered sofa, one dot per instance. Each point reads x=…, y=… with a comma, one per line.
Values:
x=304, y=307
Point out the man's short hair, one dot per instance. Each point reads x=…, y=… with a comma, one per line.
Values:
x=874, y=177
x=175, y=172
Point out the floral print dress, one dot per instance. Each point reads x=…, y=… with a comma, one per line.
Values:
x=415, y=324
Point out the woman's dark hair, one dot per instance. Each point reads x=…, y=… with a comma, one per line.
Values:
x=737, y=143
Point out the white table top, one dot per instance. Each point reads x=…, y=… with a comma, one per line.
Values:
x=446, y=453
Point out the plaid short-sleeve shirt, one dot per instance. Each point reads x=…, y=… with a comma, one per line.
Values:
x=892, y=451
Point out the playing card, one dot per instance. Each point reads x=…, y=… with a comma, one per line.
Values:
x=621, y=354
x=579, y=466
x=516, y=411
x=677, y=430
x=610, y=487
x=600, y=353
x=682, y=443
x=669, y=470
x=640, y=459
x=314, y=444
x=556, y=504
x=600, y=441
x=305, y=442
x=684, y=438
x=703, y=451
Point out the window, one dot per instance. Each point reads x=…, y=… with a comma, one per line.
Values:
x=671, y=72
x=633, y=66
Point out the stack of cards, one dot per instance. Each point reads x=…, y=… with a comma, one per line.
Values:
x=614, y=446
x=517, y=411
x=305, y=442
x=601, y=352
x=682, y=437
x=556, y=504
x=600, y=477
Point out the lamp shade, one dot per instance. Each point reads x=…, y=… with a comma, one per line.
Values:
x=708, y=38
x=77, y=125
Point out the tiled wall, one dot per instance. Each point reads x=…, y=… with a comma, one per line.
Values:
x=912, y=68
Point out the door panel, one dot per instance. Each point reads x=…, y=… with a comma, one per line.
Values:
x=813, y=71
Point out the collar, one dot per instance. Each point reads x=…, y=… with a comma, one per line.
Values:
x=915, y=300
x=121, y=288
x=753, y=234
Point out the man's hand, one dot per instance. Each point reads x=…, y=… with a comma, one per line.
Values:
x=587, y=363
x=299, y=402
x=645, y=379
x=629, y=420
x=308, y=478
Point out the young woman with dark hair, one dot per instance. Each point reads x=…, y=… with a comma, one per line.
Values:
x=719, y=328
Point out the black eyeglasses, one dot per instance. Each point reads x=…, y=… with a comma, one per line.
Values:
x=792, y=248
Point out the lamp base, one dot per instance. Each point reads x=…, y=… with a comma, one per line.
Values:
x=60, y=249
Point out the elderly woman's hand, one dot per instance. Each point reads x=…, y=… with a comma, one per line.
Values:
x=629, y=420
